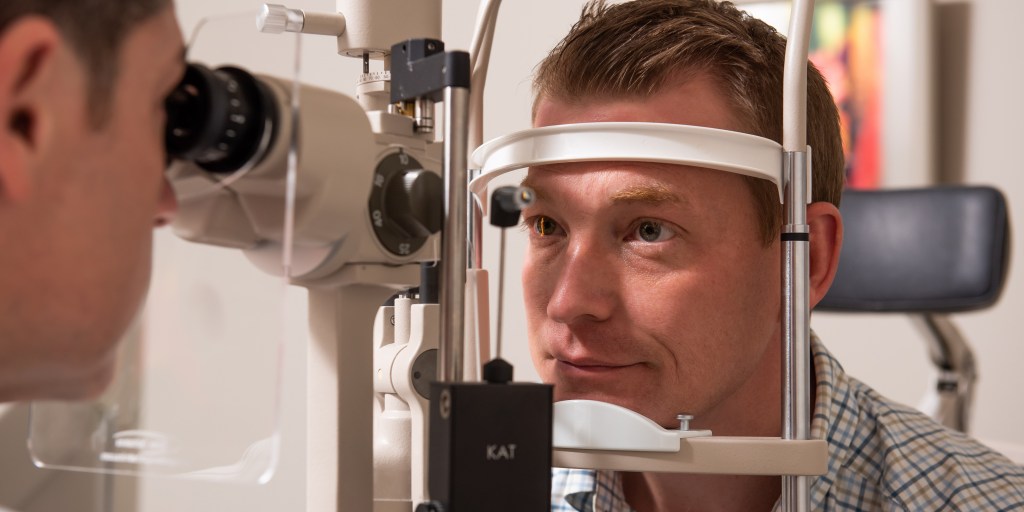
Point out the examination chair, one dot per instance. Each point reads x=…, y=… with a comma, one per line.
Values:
x=928, y=253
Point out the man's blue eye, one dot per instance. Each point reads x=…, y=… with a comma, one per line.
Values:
x=651, y=231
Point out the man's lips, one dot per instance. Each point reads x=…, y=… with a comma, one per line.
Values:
x=590, y=366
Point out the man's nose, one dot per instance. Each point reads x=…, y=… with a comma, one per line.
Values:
x=585, y=288
x=167, y=205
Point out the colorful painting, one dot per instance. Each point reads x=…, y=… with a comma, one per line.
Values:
x=846, y=47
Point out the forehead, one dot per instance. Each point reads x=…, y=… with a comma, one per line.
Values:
x=698, y=100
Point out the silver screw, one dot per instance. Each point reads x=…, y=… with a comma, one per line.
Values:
x=446, y=404
x=684, y=421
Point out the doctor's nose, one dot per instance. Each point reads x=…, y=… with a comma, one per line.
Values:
x=167, y=206
x=584, y=288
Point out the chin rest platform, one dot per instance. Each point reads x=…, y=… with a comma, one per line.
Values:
x=599, y=435
x=928, y=253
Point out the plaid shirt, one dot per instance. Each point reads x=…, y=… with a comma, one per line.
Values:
x=882, y=456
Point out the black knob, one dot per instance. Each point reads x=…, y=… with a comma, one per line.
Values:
x=506, y=203
x=430, y=506
x=498, y=371
x=406, y=203
x=412, y=202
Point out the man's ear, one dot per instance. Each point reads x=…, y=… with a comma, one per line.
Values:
x=826, y=225
x=28, y=50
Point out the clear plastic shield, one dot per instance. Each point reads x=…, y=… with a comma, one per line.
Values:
x=198, y=385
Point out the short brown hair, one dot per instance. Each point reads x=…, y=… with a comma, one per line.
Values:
x=633, y=49
x=95, y=30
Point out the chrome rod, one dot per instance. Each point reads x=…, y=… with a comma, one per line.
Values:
x=796, y=326
x=453, y=236
x=797, y=175
x=476, y=226
x=957, y=371
x=501, y=293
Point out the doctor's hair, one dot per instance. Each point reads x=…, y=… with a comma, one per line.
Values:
x=95, y=31
x=634, y=49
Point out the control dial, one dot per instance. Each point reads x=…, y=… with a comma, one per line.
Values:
x=405, y=203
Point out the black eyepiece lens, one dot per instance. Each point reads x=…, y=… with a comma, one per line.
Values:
x=220, y=119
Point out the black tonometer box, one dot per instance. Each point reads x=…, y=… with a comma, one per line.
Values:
x=490, y=447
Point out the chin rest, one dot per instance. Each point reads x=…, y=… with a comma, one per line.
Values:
x=926, y=252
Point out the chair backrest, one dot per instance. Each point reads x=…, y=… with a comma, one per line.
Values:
x=926, y=252
x=931, y=250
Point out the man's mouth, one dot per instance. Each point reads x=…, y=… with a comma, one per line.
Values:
x=583, y=367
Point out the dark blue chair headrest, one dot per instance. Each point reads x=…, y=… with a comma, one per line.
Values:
x=937, y=250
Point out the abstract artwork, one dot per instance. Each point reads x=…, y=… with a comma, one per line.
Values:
x=846, y=46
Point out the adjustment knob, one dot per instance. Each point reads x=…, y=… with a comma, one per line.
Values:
x=412, y=201
x=406, y=204
x=273, y=19
x=507, y=203
x=276, y=18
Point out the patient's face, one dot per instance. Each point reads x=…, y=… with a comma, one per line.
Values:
x=647, y=285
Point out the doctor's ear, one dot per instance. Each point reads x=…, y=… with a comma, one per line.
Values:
x=27, y=60
x=826, y=226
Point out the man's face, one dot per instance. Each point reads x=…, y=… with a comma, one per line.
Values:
x=647, y=285
x=95, y=196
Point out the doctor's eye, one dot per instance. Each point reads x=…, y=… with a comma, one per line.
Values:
x=543, y=226
x=653, y=231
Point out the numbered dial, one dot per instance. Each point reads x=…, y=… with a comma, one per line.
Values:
x=405, y=203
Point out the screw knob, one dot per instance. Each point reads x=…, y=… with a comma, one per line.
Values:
x=684, y=421
x=273, y=19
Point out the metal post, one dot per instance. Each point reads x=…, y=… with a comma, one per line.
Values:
x=953, y=360
x=796, y=327
x=453, y=236
x=797, y=175
x=476, y=226
x=501, y=292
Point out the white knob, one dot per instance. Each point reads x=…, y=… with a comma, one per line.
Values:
x=276, y=18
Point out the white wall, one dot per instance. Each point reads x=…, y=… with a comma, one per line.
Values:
x=995, y=110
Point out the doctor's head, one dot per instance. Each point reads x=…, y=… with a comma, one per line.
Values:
x=657, y=287
x=82, y=88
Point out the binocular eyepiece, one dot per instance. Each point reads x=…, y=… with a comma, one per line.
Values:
x=221, y=119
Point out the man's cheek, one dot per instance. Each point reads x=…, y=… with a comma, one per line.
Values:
x=535, y=293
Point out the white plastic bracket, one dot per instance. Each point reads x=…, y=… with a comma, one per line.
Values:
x=695, y=146
x=593, y=425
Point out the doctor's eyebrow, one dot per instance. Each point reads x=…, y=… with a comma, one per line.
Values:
x=175, y=71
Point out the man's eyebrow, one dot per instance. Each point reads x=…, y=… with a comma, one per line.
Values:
x=653, y=194
x=649, y=194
